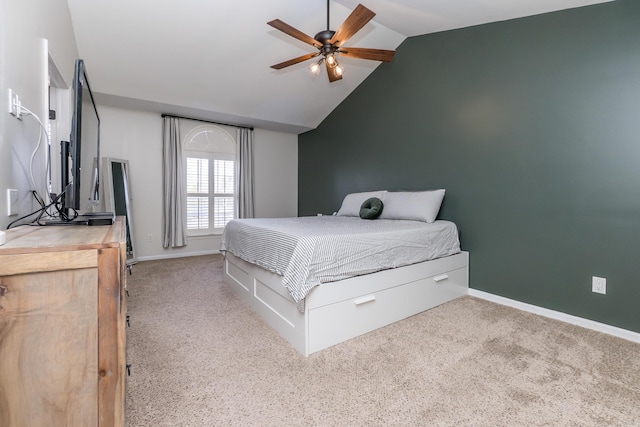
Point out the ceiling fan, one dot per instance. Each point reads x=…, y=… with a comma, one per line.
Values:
x=329, y=44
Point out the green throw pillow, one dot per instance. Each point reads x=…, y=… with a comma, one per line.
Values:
x=371, y=208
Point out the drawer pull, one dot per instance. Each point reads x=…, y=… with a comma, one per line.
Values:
x=441, y=277
x=365, y=299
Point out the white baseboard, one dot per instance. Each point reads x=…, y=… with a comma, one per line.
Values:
x=176, y=255
x=557, y=315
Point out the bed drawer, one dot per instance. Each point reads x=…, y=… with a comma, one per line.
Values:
x=329, y=293
x=334, y=323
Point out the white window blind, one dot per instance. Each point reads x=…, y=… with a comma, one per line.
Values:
x=224, y=186
x=197, y=194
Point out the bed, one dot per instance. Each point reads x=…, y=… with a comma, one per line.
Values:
x=322, y=280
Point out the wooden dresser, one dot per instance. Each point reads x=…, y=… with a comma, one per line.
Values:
x=62, y=326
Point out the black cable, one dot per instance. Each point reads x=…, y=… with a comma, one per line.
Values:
x=61, y=212
x=41, y=211
x=21, y=218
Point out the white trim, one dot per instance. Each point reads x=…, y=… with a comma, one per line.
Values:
x=176, y=255
x=557, y=315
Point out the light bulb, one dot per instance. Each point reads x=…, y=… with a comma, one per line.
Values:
x=316, y=67
x=339, y=69
x=331, y=60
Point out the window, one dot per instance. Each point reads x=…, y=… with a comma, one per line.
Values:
x=210, y=177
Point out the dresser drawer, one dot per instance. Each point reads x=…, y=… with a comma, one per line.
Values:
x=334, y=323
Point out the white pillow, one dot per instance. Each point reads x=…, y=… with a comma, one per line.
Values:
x=413, y=205
x=352, y=202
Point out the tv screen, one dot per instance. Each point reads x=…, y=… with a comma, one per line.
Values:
x=82, y=192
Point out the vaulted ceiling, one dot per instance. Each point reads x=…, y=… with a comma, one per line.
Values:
x=210, y=58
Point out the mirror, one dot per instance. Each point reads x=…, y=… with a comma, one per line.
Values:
x=117, y=196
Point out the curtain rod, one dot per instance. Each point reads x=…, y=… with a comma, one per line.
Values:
x=206, y=121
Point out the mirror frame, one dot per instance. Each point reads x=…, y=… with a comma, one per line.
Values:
x=109, y=198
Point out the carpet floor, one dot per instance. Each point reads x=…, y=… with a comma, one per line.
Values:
x=200, y=357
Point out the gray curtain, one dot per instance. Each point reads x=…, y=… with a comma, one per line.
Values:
x=244, y=172
x=173, y=186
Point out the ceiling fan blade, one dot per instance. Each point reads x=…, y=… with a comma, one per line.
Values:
x=333, y=74
x=293, y=32
x=364, y=53
x=354, y=22
x=295, y=60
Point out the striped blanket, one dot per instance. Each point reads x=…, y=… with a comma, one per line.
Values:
x=308, y=251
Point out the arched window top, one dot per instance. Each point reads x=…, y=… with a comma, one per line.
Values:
x=211, y=139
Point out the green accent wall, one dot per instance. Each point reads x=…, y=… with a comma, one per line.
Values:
x=533, y=128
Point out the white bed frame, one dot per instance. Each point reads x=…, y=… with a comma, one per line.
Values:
x=335, y=312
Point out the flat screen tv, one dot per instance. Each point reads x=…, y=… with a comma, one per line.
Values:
x=82, y=181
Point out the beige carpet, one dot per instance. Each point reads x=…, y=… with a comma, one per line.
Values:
x=201, y=358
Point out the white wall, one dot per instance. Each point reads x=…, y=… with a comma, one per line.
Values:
x=276, y=172
x=30, y=30
x=136, y=136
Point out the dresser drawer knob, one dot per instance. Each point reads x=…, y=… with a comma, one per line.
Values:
x=364, y=299
x=441, y=277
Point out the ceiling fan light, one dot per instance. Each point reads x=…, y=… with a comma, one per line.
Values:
x=316, y=67
x=328, y=43
x=331, y=60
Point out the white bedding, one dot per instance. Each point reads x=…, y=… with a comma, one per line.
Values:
x=308, y=251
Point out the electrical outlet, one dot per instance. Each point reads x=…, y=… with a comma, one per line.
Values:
x=599, y=285
x=14, y=105
x=12, y=202
x=12, y=109
x=149, y=237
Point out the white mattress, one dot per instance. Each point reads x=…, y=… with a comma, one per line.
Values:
x=308, y=251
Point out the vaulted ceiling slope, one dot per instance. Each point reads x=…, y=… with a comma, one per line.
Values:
x=210, y=58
